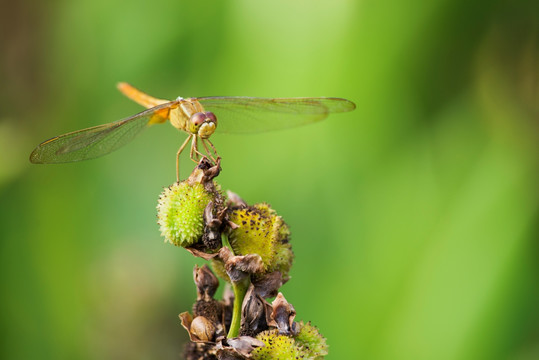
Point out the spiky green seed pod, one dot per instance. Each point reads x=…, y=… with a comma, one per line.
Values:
x=261, y=231
x=275, y=347
x=180, y=212
x=307, y=344
x=312, y=343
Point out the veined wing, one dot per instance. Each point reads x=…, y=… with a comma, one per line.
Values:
x=98, y=140
x=242, y=115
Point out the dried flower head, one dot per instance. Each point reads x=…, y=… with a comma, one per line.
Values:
x=249, y=247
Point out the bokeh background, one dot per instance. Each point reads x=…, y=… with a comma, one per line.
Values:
x=414, y=218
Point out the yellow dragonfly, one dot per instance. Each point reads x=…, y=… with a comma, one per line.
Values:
x=237, y=114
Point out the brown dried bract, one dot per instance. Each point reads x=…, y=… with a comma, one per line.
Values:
x=201, y=254
x=209, y=170
x=206, y=282
x=199, y=351
x=201, y=329
x=253, y=313
x=215, y=222
x=282, y=316
x=269, y=284
x=235, y=200
x=237, y=348
x=240, y=266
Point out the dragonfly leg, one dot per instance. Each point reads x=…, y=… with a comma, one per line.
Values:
x=191, y=153
x=207, y=150
x=213, y=148
x=178, y=157
x=195, y=154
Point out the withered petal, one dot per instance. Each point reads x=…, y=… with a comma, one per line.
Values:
x=253, y=313
x=239, y=267
x=186, y=320
x=283, y=315
x=229, y=354
x=213, y=226
x=235, y=199
x=268, y=285
x=210, y=172
x=206, y=282
x=244, y=344
x=201, y=254
x=250, y=263
x=225, y=254
x=237, y=348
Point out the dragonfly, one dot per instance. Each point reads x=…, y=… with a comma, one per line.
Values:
x=195, y=116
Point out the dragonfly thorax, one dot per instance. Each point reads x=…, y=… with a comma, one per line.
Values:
x=203, y=124
x=192, y=118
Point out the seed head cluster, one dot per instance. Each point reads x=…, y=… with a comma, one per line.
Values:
x=249, y=247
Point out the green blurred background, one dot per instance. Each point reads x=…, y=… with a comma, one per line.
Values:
x=414, y=218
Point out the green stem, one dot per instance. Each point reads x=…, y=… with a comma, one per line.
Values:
x=224, y=238
x=239, y=288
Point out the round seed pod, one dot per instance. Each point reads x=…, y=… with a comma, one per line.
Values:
x=180, y=212
x=261, y=231
x=312, y=343
x=276, y=347
x=307, y=344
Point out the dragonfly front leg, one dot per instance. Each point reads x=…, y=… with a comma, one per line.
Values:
x=193, y=144
x=208, y=150
x=195, y=154
x=178, y=157
x=213, y=148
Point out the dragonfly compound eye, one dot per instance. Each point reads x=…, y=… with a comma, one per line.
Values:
x=211, y=117
x=198, y=118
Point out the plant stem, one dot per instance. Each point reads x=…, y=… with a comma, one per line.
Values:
x=224, y=238
x=239, y=288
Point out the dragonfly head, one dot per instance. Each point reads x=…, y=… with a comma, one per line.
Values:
x=203, y=124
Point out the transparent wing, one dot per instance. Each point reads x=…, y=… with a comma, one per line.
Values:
x=243, y=115
x=96, y=141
